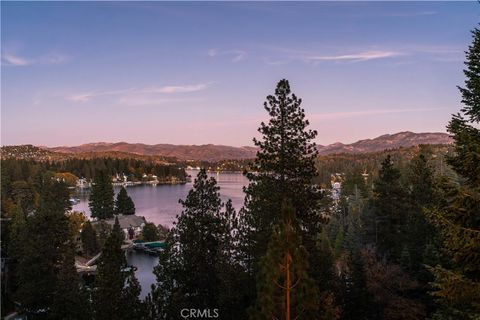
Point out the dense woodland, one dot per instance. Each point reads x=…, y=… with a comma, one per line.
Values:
x=400, y=243
x=18, y=169
x=370, y=163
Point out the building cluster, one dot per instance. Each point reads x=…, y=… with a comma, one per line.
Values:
x=336, y=180
x=131, y=225
x=26, y=152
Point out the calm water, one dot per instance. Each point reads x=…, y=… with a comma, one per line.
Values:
x=160, y=205
x=145, y=264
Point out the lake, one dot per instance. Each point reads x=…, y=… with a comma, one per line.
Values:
x=159, y=204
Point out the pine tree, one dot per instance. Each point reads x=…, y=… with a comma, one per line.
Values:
x=186, y=272
x=285, y=290
x=150, y=232
x=356, y=299
x=89, y=239
x=101, y=199
x=124, y=204
x=190, y=269
x=389, y=208
x=422, y=195
x=283, y=169
x=457, y=283
x=24, y=195
x=116, y=289
x=233, y=291
x=48, y=234
x=326, y=279
x=354, y=182
x=16, y=232
x=352, y=293
x=131, y=306
x=16, y=238
x=70, y=299
x=471, y=92
x=389, y=287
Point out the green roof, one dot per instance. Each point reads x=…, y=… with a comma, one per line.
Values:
x=155, y=245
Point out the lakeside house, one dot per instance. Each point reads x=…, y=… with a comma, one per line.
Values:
x=131, y=224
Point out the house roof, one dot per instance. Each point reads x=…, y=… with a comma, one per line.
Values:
x=126, y=221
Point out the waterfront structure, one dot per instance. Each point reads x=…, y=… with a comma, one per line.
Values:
x=131, y=225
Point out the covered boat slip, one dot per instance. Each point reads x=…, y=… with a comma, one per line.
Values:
x=153, y=247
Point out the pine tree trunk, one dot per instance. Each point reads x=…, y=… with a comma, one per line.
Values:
x=288, y=286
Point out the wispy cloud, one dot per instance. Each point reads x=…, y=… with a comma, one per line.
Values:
x=354, y=57
x=287, y=55
x=362, y=113
x=86, y=96
x=14, y=59
x=176, y=89
x=11, y=59
x=135, y=100
x=439, y=53
x=235, y=55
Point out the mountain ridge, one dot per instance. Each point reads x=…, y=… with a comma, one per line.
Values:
x=212, y=152
x=387, y=141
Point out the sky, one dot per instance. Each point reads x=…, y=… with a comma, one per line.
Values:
x=198, y=73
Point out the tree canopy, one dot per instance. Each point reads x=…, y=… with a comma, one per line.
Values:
x=101, y=198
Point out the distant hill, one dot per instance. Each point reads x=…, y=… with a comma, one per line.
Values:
x=387, y=141
x=27, y=151
x=207, y=152
x=210, y=152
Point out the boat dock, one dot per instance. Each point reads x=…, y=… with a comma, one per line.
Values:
x=152, y=248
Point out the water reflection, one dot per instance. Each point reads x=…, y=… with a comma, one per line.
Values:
x=160, y=204
x=144, y=273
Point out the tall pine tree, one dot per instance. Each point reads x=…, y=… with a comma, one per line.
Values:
x=70, y=299
x=283, y=169
x=457, y=216
x=43, y=249
x=419, y=233
x=389, y=208
x=116, y=289
x=101, y=199
x=191, y=268
x=89, y=239
x=285, y=290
